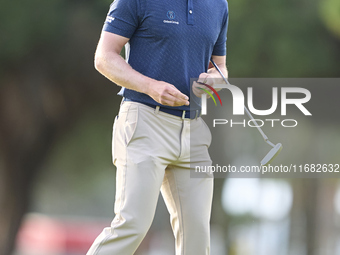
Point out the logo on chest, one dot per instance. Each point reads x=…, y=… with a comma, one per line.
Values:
x=171, y=18
x=171, y=15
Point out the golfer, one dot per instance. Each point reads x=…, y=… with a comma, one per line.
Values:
x=167, y=43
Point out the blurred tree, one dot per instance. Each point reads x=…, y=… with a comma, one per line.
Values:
x=330, y=14
x=283, y=39
x=47, y=79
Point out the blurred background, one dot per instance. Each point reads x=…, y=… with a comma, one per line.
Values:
x=57, y=181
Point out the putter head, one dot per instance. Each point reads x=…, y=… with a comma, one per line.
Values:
x=271, y=154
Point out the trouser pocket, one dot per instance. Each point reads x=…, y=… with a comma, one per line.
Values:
x=113, y=139
x=124, y=128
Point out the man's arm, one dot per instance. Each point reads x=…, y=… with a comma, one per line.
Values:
x=109, y=63
x=220, y=62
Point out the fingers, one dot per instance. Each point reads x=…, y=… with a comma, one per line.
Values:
x=205, y=84
x=206, y=79
x=199, y=89
x=167, y=94
x=173, y=97
x=202, y=85
x=178, y=98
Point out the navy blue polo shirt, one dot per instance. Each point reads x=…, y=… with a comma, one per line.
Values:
x=171, y=41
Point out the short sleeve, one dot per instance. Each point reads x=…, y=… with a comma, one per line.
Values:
x=123, y=17
x=220, y=48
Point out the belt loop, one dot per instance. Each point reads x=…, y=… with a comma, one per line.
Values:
x=123, y=100
x=157, y=109
x=183, y=115
x=196, y=114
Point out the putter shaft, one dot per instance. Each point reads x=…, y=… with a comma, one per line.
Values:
x=245, y=108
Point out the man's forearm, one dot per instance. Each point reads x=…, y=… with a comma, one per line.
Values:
x=220, y=61
x=213, y=71
x=115, y=68
x=109, y=63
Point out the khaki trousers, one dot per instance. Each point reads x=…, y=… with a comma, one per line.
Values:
x=153, y=151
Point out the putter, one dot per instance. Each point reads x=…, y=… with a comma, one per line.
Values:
x=276, y=148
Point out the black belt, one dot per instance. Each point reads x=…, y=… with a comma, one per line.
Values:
x=191, y=114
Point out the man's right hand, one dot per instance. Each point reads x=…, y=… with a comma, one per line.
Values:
x=167, y=94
